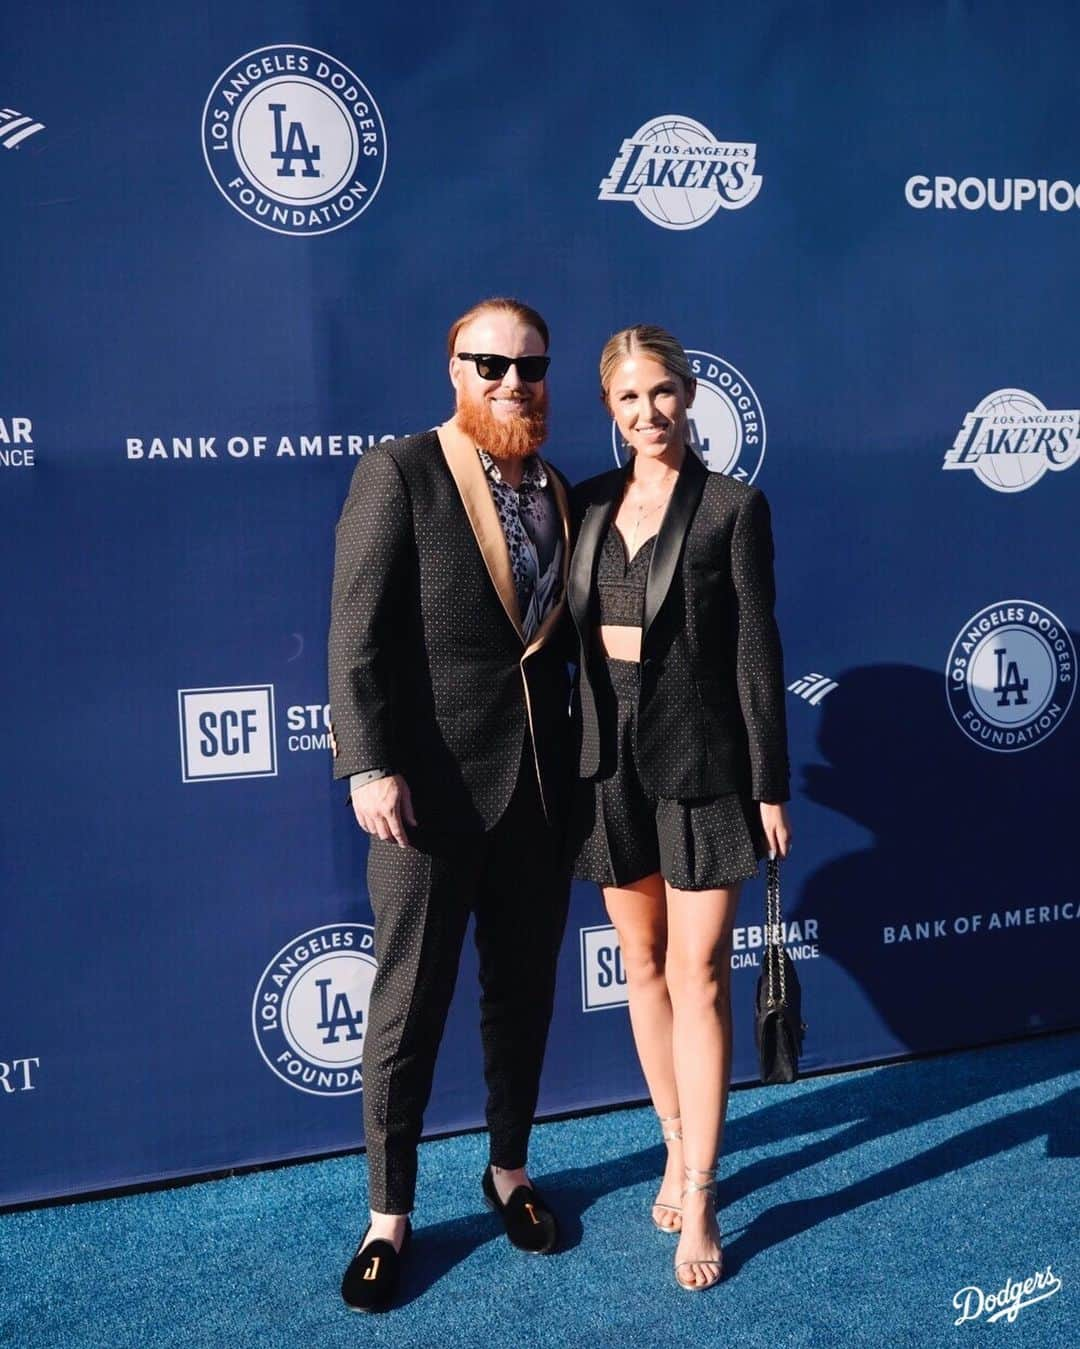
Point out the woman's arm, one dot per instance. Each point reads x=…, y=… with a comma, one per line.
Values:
x=759, y=661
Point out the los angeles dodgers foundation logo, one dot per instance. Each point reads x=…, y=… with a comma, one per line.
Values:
x=294, y=140
x=1011, y=439
x=309, y=1014
x=1011, y=675
x=727, y=423
x=679, y=175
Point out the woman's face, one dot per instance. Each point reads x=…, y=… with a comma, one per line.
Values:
x=649, y=405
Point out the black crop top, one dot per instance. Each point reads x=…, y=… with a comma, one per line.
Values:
x=621, y=584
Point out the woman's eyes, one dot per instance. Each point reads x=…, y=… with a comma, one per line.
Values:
x=659, y=393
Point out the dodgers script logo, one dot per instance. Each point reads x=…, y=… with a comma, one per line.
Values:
x=294, y=140
x=309, y=1013
x=1008, y=1302
x=727, y=424
x=1010, y=675
x=1011, y=439
x=679, y=175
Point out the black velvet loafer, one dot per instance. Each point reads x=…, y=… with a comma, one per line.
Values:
x=530, y=1224
x=370, y=1283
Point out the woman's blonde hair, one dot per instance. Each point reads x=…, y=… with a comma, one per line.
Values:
x=644, y=339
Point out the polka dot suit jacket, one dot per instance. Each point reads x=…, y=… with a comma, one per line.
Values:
x=430, y=675
x=711, y=716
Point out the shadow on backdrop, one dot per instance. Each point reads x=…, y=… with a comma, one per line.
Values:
x=961, y=834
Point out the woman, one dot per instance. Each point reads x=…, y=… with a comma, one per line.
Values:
x=683, y=767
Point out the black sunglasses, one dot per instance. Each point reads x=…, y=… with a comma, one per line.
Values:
x=532, y=369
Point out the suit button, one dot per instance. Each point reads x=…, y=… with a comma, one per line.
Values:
x=647, y=663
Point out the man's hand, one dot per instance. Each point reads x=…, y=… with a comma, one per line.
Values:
x=777, y=826
x=384, y=807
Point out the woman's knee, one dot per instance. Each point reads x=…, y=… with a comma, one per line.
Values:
x=643, y=961
x=700, y=982
x=640, y=919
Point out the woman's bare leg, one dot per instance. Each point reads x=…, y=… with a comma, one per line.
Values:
x=639, y=912
x=700, y=924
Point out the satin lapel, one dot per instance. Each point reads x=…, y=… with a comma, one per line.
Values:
x=671, y=536
x=583, y=565
x=543, y=632
x=472, y=484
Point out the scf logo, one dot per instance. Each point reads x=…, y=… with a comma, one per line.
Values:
x=603, y=979
x=227, y=733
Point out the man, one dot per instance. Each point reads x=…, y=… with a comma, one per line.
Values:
x=448, y=698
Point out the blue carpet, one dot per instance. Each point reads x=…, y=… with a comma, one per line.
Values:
x=854, y=1207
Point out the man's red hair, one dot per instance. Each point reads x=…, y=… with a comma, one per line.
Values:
x=526, y=313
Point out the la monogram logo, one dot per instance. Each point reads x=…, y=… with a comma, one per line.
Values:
x=309, y=1013
x=1010, y=675
x=294, y=140
x=292, y=145
x=1009, y=682
x=338, y=1017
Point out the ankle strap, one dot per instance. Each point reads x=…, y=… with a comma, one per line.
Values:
x=692, y=1186
x=670, y=1135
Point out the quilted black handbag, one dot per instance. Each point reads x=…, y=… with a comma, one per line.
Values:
x=778, y=1023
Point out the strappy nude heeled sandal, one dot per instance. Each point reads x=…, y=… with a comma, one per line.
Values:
x=670, y=1134
x=707, y=1186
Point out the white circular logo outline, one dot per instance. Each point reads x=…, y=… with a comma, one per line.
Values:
x=286, y=1037
x=375, y=110
x=955, y=690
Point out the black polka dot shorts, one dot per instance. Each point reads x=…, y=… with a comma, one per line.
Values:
x=621, y=834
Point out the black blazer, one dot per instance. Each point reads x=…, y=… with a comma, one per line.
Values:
x=711, y=715
x=430, y=675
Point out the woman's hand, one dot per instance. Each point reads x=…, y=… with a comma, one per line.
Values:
x=777, y=826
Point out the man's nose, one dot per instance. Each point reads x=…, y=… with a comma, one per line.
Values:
x=512, y=379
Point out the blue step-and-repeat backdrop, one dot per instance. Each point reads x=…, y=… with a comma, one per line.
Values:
x=232, y=239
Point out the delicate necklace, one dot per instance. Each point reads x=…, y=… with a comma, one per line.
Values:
x=643, y=514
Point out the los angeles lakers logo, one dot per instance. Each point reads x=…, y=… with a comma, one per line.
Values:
x=294, y=140
x=1010, y=675
x=310, y=1009
x=1012, y=440
x=678, y=175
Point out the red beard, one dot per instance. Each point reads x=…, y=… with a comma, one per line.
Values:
x=515, y=438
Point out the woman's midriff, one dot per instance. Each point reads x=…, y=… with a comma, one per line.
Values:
x=620, y=643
